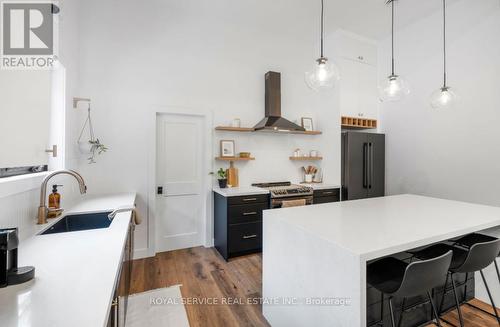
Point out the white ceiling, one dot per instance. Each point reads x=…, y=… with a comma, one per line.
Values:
x=372, y=18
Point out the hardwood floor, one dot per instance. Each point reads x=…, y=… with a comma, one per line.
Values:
x=223, y=293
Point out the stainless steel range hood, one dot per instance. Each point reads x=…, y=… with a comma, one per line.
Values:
x=273, y=121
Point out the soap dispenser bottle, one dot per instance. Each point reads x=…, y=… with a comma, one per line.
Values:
x=54, y=202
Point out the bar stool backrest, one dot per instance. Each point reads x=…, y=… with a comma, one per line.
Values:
x=480, y=256
x=422, y=276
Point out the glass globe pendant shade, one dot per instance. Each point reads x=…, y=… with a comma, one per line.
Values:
x=443, y=98
x=324, y=75
x=393, y=88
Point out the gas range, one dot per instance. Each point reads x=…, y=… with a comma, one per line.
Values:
x=286, y=189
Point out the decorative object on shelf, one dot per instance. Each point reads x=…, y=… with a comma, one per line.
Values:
x=318, y=177
x=325, y=73
x=444, y=97
x=360, y=123
x=222, y=178
x=307, y=123
x=245, y=154
x=309, y=173
x=394, y=87
x=314, y=153
x=232, y=175
x=297, y=153
x=236, y=123
x=227, y=148
x=91, y=146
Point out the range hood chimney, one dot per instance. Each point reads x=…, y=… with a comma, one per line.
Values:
x=273, y=120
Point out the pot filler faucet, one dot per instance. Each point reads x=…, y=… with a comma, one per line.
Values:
x=42, y=209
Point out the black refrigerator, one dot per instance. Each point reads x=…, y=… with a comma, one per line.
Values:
x=363, y=165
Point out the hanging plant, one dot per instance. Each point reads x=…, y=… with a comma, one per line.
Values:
x=92, y=146
x=96, y=148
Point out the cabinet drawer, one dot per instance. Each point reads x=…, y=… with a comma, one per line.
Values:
x=245, y=237
x=325, y=199
x=246, y=213
x=248, y=199
x=328, y=192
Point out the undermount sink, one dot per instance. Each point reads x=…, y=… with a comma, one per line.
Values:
x=79, y=222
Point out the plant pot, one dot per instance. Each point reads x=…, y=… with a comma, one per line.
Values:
x=84, y=147
x=223, y=183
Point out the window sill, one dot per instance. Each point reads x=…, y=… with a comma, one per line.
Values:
x=19, y=184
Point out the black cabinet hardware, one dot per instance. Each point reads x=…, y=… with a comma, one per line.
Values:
x=250, y=236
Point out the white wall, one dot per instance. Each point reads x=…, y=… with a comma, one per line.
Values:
x=450, y=154
x=204, y=55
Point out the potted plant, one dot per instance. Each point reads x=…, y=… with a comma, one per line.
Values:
x=222, y=178
x=96, y=148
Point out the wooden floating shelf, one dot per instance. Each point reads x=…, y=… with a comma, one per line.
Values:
x=306, y=158
x=361, y=123
x=251, y=129
x=233, y=159
x=234, y=129
x=306, y=132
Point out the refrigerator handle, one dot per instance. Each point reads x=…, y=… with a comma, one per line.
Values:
x=365, y=165
x=370, y=145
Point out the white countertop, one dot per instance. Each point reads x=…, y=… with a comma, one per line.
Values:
x=373, y=228
x=240, y=191
x=321, y=186
x=252, y=190
x=75, y=272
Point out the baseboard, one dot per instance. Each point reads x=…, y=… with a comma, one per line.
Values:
x=142, y=253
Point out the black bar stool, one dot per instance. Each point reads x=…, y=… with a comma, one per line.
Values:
x=467, y=242
x=478, y=257
x=394, y=277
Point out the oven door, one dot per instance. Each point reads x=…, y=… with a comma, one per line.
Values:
x=290, y=201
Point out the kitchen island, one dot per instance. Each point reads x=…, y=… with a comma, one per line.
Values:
x=314, y=258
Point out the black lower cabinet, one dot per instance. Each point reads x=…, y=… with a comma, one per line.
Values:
x=419, y=310
x=238, y=224
x=326, y=196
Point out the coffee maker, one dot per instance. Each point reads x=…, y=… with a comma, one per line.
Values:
x=10, y=273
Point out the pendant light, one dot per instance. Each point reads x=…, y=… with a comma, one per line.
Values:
x=394, y=87
x=325, y=73
x=444, y=97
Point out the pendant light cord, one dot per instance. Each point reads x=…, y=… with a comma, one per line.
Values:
x=444, y=44
x=392, y=35
x=322, y=25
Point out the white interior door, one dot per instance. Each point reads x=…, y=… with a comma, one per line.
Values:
x=180, y=209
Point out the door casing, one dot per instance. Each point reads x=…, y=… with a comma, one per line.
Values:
x=207, y=225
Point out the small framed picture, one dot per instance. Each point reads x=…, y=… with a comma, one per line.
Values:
x=227, y=148
x=307, y=123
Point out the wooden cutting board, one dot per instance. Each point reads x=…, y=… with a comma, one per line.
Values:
x=232, y=175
